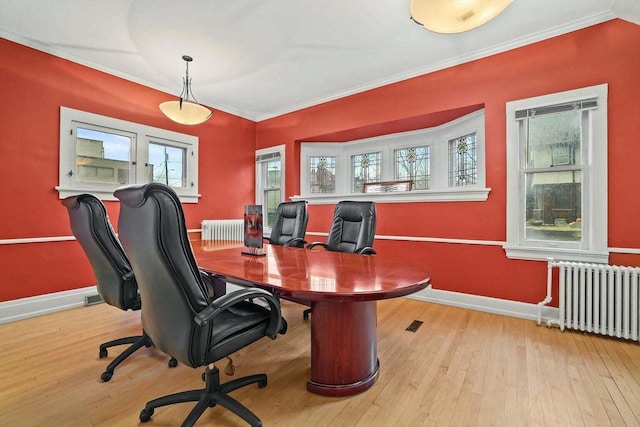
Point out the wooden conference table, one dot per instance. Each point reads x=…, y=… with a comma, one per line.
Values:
x=341, y=288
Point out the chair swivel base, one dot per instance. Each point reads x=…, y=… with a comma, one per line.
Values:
x=214, y=393
x=136, y=342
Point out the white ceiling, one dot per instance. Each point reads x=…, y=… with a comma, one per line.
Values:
x=262, y=58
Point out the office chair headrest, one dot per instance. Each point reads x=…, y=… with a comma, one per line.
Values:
x=130, y=197
x=292, y=209
x=355, y=211
x=73, y=202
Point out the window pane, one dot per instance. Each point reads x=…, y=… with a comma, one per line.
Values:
x=273, y=173
x=553, y=140
x=272, y=198
x=463, y=164
x=553, y=206
x=414, y=164
x=102, y=157
x=364, y=168
x=322, y=174
x=167, y=165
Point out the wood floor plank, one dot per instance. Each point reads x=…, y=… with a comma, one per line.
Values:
x=460, y=368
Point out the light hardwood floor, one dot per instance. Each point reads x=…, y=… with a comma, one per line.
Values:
x=461, y=368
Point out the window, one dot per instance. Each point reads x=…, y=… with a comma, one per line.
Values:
x=557, y=176
x=322, y=177
x=99, y=154
x=409, y=166
x=365, y=168
x=414, y=164
x=102, y=156
x=269, y=182
x=463, y=161
x=167, y=164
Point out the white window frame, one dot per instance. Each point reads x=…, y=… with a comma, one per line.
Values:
x=594, y=199
x=437, y=137
x=260, y=184
x=141, y=136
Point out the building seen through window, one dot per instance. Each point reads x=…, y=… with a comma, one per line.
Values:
x=102, y=157
x=553, y=175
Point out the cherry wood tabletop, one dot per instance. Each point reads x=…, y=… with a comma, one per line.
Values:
x=312, y=275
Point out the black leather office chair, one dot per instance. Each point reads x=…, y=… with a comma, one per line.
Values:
x=116, y=282
x=177, y=312
x=352, y=230
x=290, y=224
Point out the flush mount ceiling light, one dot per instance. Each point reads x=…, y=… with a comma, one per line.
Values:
x=455, y=16
x=186, y=110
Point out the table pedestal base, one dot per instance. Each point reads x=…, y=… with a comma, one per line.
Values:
x=344, y=358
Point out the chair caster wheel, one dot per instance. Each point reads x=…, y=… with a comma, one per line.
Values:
x=262, y=384
x=173, y=362
x=230, y=369
x=145, y=415
x=106, y=376
x=103, y=353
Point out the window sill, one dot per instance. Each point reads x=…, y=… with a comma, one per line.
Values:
x=108, y=194
x=559, y=254
x=462, y=195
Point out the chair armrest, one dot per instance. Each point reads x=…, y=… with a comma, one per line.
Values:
x=314, y=244
x=368, y=250
x=297, y=242
x=233, y=298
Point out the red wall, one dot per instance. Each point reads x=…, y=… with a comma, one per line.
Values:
x=605, y=53
x=33, y=86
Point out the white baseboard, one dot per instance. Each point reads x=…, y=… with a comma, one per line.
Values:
x=503, y=307
x=11, y=311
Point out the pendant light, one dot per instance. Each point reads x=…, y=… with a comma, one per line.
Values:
x=455, y=16
x=186, y=110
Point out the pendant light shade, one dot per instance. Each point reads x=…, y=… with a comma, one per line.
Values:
x=186, y=109
x=185, y=112
x=455, y=16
